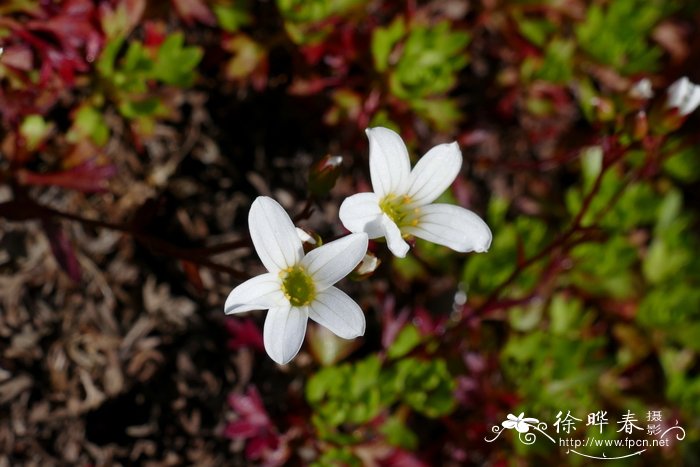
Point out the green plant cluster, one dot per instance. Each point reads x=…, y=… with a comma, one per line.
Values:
x=347, y=396
x=127, y=78
x=422, y=63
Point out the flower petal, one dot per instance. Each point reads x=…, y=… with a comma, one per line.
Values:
x=509, y=424
x=453, y=227
x=259, y=293
x=274, y=235
x=677, y=92
x=284, y=332
x=331, y=262
x=434, y=173
x=394, y=240
x=389, y=165
x=692, y=100
x=522, y=427
x=339, y=313
x=361, y=213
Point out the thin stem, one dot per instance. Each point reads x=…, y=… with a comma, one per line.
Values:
x=559, y=241
x=306, y=211
x=32, y=209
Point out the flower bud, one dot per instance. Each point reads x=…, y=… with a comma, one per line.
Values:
x=323, y=174
x=604, y=109
x=309, y=239
x=366, y=267
x=641, y=90
x=640, y=127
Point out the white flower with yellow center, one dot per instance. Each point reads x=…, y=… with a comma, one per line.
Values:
x=297, y=286
x=402, y=203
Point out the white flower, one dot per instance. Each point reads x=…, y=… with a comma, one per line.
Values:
x=522, y=425
x=297, y=286
x=642, y=89
x=401, y=203
x=684, y=96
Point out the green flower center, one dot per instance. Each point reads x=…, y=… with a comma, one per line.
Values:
x=399, y=210
x=298, y=286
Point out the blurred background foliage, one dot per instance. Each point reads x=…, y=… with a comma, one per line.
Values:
x=135, y=135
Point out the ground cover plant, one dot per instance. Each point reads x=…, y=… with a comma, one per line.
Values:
x=471, y=224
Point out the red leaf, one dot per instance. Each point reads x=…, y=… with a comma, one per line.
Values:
x=193, y=276
x=88, y=177
x=241, y=429
x=244, y=333
x=62, y=249
x=256, y=447
x=401, y=458
x=18, y=56
x=192, y=11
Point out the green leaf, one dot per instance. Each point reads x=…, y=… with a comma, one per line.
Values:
x=398, y=434
x=535, y=30
x=591, y=165
x=426, y=386
x=684, y=163
x=429, y=62
x=231, y=17
x=383, y=42
x=140, y=108
x=443, y=114
x=558, y=63
x=565, y=316
x=34, y=129
x=176, y=63
x=106, y=62
x=136, y=61
x=407, y=340
x=89, y=123
x=619, y=34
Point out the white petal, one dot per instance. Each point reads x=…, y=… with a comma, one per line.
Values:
x=642, y=89
x=394, y=240
x=274, y=235
x=389, y=165
x=305, y=237
x=434, y=173
x=453, y=227
x=284, y=332
x=331, y=262
x=361, y=213
x=522, y=427
x=677, y=92
x=339, y=313
x=692, y=100
x=508, y=424
x=259, y=293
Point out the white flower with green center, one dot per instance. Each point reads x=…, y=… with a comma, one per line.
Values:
x=297, y=286
x=402, y=205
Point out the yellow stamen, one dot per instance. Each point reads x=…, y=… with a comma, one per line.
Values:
x=399, y=210
x=297, y=286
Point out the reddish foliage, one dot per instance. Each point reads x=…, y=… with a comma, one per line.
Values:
x=254, y=425
x=244, y=333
